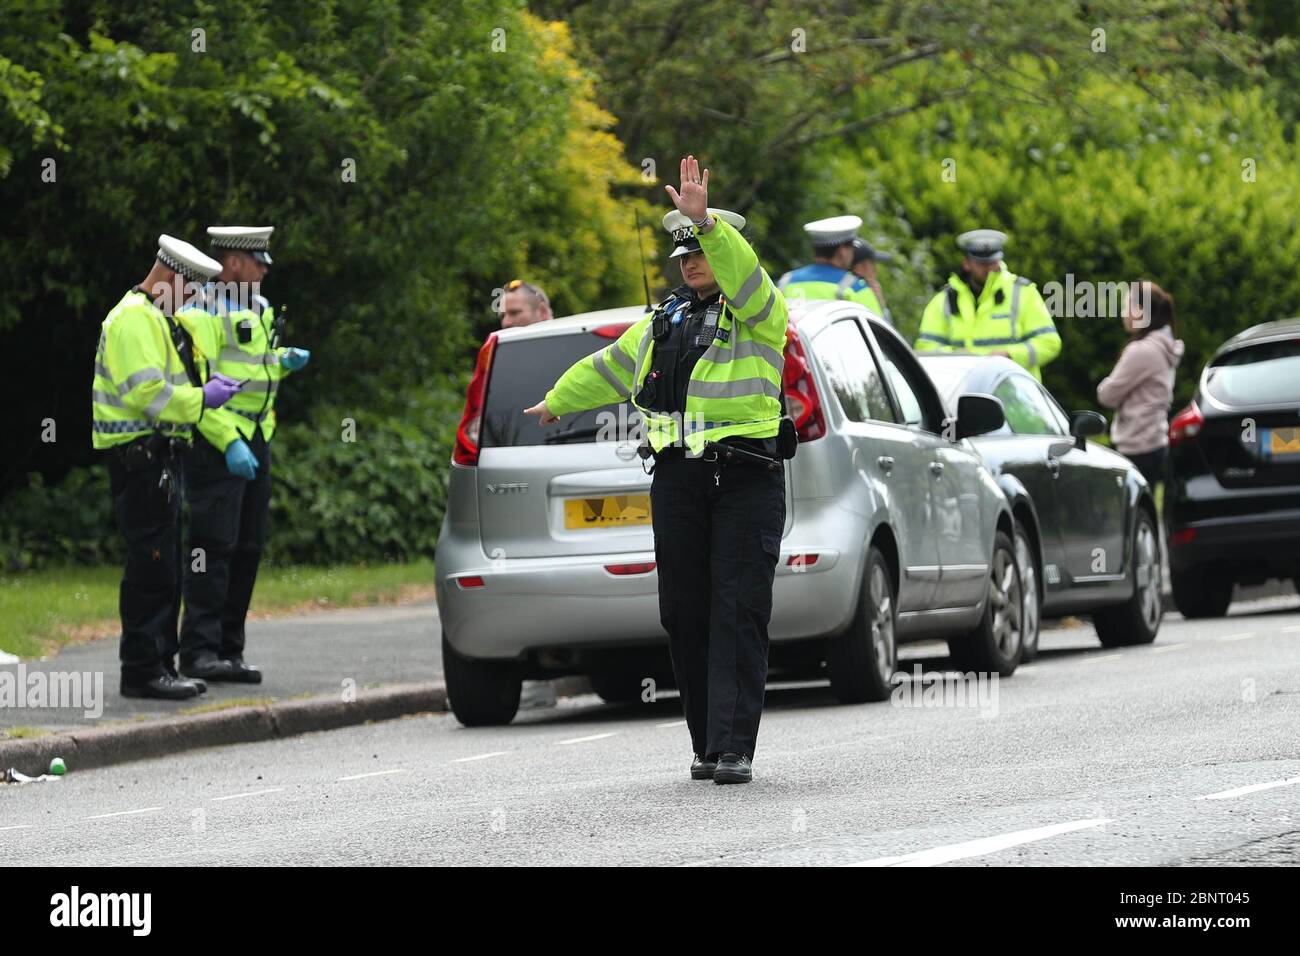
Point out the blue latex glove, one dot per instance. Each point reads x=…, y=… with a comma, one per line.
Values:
x=219, y=389
x=294, y=359
x=240, y=459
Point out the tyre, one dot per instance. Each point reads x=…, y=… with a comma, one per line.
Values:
x=482, y=693
x=1200, y=592
x=994, y=647
x=616, y=687
x=861, y=661
x=1137, y=620
x=1031, y=617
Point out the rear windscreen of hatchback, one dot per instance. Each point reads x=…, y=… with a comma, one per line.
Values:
x=523, y=371
x=1264, y=374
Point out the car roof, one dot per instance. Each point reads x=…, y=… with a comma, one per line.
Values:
x=1264, y=332
x=810, y=316
x=974, y=372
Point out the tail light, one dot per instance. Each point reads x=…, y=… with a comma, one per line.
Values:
x=466, y=452
x=611, y=331
x=643, y=568
x=470, y=581
x=1186, y=425
x=801, y=397
x=1184, y=536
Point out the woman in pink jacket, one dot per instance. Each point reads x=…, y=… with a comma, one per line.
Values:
x=1141, y=385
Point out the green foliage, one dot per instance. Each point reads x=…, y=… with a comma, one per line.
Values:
x=1127, y=188
x=379, y=497
x=68, y=523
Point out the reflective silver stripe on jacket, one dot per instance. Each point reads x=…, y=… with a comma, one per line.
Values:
x=598, y=360
x=144, y=375
x=154, y=408
x=763, y=313
x=105, y=398
x=747, y=348
x=845, y=285
x=622, y=358
x=751, y=285
x=250, y=387
x=735, y=389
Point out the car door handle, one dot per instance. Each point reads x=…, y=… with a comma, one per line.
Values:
x=1054, y=467
x=886, y=463
x=936, y=468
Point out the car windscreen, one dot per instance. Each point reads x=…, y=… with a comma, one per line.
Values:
x=1263, y=374
x=523, y=371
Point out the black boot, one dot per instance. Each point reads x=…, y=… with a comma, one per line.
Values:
x=702, y=767
x=733, y=768
x=164, y=687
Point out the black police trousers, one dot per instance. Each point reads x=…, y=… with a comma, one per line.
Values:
x=149, y=598
x=228, y=522
x=717, y=533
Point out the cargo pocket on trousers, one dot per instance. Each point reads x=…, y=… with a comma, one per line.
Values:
x=761, y=569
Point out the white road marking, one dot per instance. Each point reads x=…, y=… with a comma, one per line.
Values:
x=21, y=826
x=583, y=740
x=1253, y=788
x=1102, y=658
x=672, y=723
x=122, y=813
x=1166, y=648
x=1294, y=628
x=250, y=793
x=1024, y=668
x=982, y=847
x=495, y=753
x=373, y=773
x=1236, y=637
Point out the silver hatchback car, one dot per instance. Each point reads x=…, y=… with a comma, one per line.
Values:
x=895, y=531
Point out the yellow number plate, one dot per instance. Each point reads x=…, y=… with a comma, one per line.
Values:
x=1284, y=441
x=614, y=511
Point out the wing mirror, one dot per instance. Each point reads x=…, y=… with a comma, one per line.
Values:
x=978, y=415
x=1086, y=424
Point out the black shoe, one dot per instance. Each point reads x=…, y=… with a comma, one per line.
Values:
x=242, y=673
x=165, y=687
x=208, y=669
x=702, y=767
x=201, y=685
x=733, y=768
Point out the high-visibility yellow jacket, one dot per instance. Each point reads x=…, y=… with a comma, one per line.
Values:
x=735, y=387
x=1010, y=317
x=819, y=280
x=140, y=384
x=237, y=342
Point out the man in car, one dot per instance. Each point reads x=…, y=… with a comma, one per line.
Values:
x=989, y=310
x=523, y=303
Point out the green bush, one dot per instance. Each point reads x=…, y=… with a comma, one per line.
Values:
x=379, y=498
x=68, y=523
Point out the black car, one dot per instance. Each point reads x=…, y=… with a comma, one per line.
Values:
x=1086, y=536
x=1232, y=502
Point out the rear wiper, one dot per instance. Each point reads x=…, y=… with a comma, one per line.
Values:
x=591, y=431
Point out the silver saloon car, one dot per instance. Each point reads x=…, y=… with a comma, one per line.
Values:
x=894, y=529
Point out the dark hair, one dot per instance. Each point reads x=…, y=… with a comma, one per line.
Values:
x=1157, y=307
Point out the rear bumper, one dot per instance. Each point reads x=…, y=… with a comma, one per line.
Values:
x=529, y=604
x=1266, y=544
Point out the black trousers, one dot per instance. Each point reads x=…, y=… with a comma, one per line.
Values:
x=716, y=548
x=228, y=522
x=1152, y=465
x=149, y=598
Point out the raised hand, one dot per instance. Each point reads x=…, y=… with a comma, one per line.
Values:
x=693, y=200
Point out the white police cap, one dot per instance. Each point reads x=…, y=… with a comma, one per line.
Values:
x=255, y=240
x=835, y=231
x=983, y=245
x=186, y=260
x=681, y=227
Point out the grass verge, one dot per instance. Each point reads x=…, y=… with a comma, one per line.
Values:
x=41, y=611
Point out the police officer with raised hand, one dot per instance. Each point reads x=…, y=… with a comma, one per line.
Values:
x=228, y=470
x=985, y=308
x=147, y=391
x=704, y=370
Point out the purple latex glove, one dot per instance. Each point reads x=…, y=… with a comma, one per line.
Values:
x=219, y=390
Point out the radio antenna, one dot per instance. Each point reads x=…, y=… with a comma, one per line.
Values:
x=645, y=275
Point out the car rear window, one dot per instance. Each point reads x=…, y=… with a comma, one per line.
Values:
x=1264, y=374
x=523, y=371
